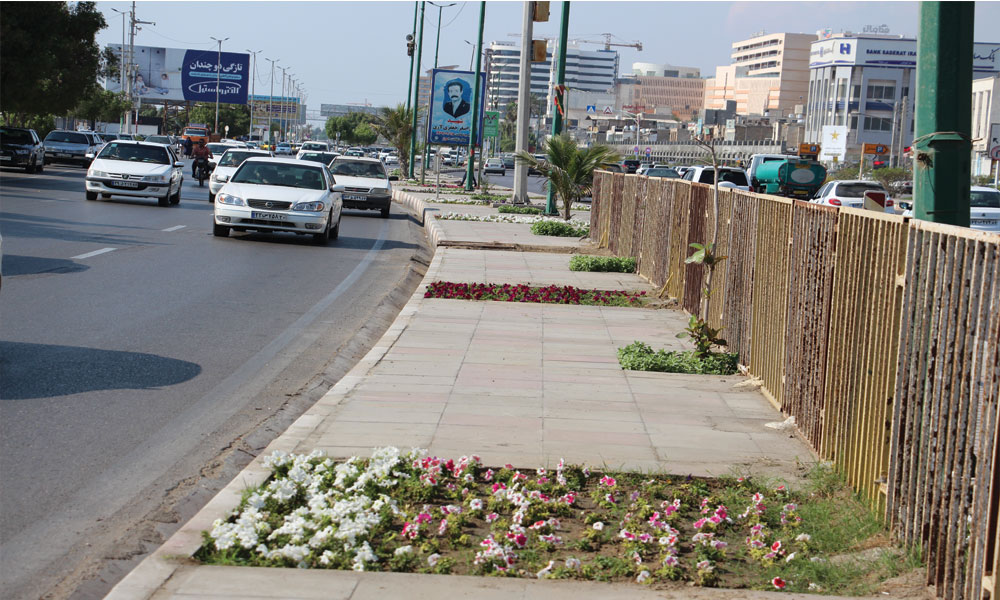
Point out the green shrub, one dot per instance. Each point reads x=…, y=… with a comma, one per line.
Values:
x=519, y=210
x=488, y=197
x=558, y=228
x=603, y=264
x=638, y=356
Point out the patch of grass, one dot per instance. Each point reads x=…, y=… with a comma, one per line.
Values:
x=560, y=229
x=602, y=264
x=638, y=356
x=519, y=210
x=488, y=197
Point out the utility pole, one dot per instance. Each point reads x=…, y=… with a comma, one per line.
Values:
x=270, y=104
x=253, y=87
x=416, y=89
x=281, y=117
x=560, y=95
x=409, y=51
x=944, y=100
x=427, y=113
x=474, y=130
x=218, y=78
x=523, y=106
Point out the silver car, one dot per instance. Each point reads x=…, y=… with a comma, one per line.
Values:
x=70, y=146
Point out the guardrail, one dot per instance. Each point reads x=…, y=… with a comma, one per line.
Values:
x=880, y=335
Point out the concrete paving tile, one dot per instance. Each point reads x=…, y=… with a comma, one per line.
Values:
x=490, y=420
x=492, y=409
x=497, y=389
x=494, y=372
x=449, y=368
x=413, y=380
x=509, y=359
x=378, y=386
x=596, y=437
x=473, y=434
x=699, y=439
x=383, y=586
x=259, y=582
x=597, y=453
x=592, y=425
x=369, y=414
x=575, y=412
x=398, y=397
x=460, y=400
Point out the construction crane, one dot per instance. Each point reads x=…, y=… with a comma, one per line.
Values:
x=607, y=43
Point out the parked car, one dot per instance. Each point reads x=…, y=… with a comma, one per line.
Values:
x=20, y=147
x=613, y=168
x=850, y=192
x=508, y=161
x=321, y=157
x=283, y=149
x=662, y=172
x=313, y=147
x=631, y=165
x=730, y=176
x=391, y=159
x=364, y=183
x=643, y=167
x=984, y=208
x=495, y=165
x=136, y=169
x=274, y=194
x=230, y=160
x=62, y=145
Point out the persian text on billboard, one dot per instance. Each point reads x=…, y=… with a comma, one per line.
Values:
x=187, y=75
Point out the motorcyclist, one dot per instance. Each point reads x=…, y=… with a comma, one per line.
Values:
x=200, y=151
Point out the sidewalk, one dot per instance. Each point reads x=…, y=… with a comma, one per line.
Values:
x=525, y=384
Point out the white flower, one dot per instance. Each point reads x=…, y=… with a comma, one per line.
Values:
x=642, y=577
x=599, y=526
x=403, y=550
x=545, y=572
x=803, y=537
x=572, y=563
x=815, y=588
x=790, y=557
x=432, y=560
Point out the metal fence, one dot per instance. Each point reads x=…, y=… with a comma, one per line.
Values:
x=880, y=335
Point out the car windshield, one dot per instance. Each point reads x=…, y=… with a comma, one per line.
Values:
x=662, y=173
x=358, y=169
x=158, y=139
x=15, y=136
x=196, y=132
x=731, y=176
x=107, y=137
x=135, y=153
x=314, y=146
x=280, y=174
x=235, y=158
x=68, y=137
x=984, y=199
x=857, y=190
x=321, y=157
x=218, y=148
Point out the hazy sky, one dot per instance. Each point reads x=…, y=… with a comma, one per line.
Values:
x=354, y=52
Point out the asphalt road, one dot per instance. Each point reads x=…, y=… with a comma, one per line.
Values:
x=536, y=183
x=143, y=362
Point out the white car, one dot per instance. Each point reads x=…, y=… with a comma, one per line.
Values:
x=136, y=169
x=313, y=147
x=392, y=159
x=730, y=177
x=984, y=208
x=230, y=161
x=279, y=194
x=283, y=148
x=850, y=192
x=364, y=183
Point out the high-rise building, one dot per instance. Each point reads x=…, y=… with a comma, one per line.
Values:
x=768, y=74
x=666, y=89
x=588, y=70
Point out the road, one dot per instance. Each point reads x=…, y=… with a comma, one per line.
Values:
x=536, y=183
x=144, y=362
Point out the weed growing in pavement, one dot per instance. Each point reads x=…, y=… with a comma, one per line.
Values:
x=410, y=512
x=638, y=356
x=603, y=264
x=553, y=294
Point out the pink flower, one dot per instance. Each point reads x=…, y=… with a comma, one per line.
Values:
x=776, y=546
x=700, y=523
x=520, y=539
x=492, y=517
x=608, y=481
x=780, y=488
x=443, y=527
x=670, y=560
x=778, y=583
x=489, y=475
x=538, y=525
x=424, y=518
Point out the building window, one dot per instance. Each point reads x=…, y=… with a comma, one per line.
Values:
x=878, y=124
x=856, y=92
x=906, y=93
x=881, y=90
x=854, y=122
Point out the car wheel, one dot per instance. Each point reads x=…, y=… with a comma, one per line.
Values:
x=385, y=212
x=211, y=198
x=165, y=200
x=321, y=239
x=336, y=231
x=41, y=167
x=220, y=230
x=91, y=195
x=30, y=168
x=176, y=198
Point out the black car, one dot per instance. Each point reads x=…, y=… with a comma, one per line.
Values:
x=630, y=165
x=508, y=162
x=20, y=147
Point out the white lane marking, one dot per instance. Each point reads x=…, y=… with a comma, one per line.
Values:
x=175, y=228
x=94, y=253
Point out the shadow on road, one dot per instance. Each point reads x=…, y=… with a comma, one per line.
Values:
x=14, y=265
x=31, y=371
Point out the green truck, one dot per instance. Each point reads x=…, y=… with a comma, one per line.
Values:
x=792, y=177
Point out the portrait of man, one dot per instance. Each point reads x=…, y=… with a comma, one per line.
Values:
x=454, y=101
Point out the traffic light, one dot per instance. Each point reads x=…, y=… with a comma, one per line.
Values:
x=541, y=12
x=538, y=48
x=410, y=45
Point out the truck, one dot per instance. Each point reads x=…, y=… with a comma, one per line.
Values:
x=196, y=132
x=791, y=177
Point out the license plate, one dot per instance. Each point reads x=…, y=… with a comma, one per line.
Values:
x=63, y=155
x=6, y=158
x=268, y=216
x=983, y=221
x=354, y=197
x=125, y=184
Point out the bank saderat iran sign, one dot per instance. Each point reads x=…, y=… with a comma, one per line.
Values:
x=179, y=75
x=900, y=53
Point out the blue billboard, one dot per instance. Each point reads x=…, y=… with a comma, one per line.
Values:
x=178, y=74
x=450, y=119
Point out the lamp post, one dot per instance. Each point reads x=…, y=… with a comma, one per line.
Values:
x=253, y=87
x=218, y=76
x=427, y=113
x=416, y=92
x=281, y=117
x=270, y=103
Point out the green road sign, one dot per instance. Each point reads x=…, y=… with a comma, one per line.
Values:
x=491, y=123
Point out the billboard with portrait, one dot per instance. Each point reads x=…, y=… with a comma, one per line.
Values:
x=450, y=119
x=179, y=75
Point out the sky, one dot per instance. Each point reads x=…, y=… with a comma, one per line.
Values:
x=355, y=52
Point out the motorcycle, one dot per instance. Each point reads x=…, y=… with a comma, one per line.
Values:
x=201, y=170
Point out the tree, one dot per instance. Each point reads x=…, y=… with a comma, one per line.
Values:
x=569, y=168
x=237, y=116
x=396, y=125
x=101, y=105
x=364, y=134
x=346, y=127
x=49, y=58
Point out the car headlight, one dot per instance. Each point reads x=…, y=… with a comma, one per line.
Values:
x=230, y=199
x=220, y=178
x=155, y=178
x=310, y=206
x=96, y=173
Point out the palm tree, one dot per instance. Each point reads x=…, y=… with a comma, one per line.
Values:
x=396, y=125
x=569, y=168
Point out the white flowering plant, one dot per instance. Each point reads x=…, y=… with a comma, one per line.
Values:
x=407, y=511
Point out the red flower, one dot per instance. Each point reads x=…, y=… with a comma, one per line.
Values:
x=778, y=583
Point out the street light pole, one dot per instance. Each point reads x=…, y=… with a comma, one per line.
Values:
x=409, y=89
x=218, y=76
x=281, y=117
x=427, y=113
x=253, y=87
x=523, y=107
x=270, y=103
x=560, y=95
x=416, y=89
x=474, y=130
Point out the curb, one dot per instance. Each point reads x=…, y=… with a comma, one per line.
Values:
x=435, y=233
x=157, y=568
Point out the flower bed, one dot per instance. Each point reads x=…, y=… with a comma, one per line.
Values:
x=553, y=294
x=507, y=218
x=408, y=512
x=602, y=264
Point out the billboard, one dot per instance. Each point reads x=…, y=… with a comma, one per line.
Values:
x=833, y=146
x=450, y=119
x=179, y=75
x=898, y=53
